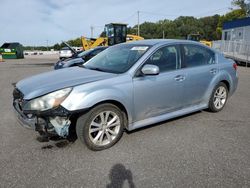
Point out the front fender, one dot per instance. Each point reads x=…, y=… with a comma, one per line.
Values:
x=80, y=99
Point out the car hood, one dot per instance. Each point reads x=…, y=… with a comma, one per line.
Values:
x=44, y=83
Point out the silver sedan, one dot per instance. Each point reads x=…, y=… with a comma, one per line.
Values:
x=127, y=86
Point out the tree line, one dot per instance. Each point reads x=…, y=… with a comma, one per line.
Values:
x=210, y=27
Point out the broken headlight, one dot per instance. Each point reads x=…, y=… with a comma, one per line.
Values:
x=48, y=101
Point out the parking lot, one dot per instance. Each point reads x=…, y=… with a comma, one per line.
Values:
x=199, y=150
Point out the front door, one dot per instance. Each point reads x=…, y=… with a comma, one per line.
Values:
x=155, y=95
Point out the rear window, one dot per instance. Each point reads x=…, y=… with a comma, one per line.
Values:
x=195, y=55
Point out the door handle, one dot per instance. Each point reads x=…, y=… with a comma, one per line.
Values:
x=213, y=71
x=179, y=78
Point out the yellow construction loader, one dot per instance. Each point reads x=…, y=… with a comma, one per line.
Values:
x=197, y=37
x=115, y=33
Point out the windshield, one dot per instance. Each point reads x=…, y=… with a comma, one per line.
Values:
x=84, y=53
x=117, y=59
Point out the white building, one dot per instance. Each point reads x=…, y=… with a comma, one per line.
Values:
x=237, y=30
x=235, y=41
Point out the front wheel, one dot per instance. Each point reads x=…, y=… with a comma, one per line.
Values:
x=101, y=127
x=218, y=98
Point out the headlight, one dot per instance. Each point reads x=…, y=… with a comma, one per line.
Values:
x=48, y=101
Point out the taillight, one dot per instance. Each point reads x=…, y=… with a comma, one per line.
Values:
x=235, y=66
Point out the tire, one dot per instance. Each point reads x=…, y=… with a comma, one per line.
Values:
x=101, y=127
x=219, y=94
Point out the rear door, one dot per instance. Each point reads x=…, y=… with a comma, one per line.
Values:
x=200, y=68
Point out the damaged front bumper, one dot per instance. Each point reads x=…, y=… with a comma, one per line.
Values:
x=52, y=122
x=22, y=119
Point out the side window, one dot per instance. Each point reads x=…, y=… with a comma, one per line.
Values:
x=165, y=58
x=195, y=55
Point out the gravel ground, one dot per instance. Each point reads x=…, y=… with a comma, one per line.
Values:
x=199, y=150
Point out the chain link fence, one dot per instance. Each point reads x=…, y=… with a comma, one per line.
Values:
x=239, y=51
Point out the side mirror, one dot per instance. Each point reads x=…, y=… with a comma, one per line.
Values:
x=150, y=70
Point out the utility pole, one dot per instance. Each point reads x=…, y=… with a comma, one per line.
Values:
x=47, y=41
x=138, y=24
x=92, y=31
x=163, y=34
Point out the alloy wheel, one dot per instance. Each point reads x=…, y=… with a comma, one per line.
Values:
x=104, y=128
x=220, y=97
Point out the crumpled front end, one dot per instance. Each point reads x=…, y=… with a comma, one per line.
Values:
x=51, y=122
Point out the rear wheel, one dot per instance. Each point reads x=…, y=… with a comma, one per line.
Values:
x=101, y=127
x=218, y=98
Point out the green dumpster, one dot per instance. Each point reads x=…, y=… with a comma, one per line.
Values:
x=12, y=50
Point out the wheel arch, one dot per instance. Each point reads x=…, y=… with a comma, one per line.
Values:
x=120, y=105
x=117, y=104
x=74, y=117
x=227, y=84
x=222, y=77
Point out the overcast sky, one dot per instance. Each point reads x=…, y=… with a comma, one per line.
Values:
x=33, y=22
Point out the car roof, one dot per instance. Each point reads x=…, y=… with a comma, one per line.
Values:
x=153, y=42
